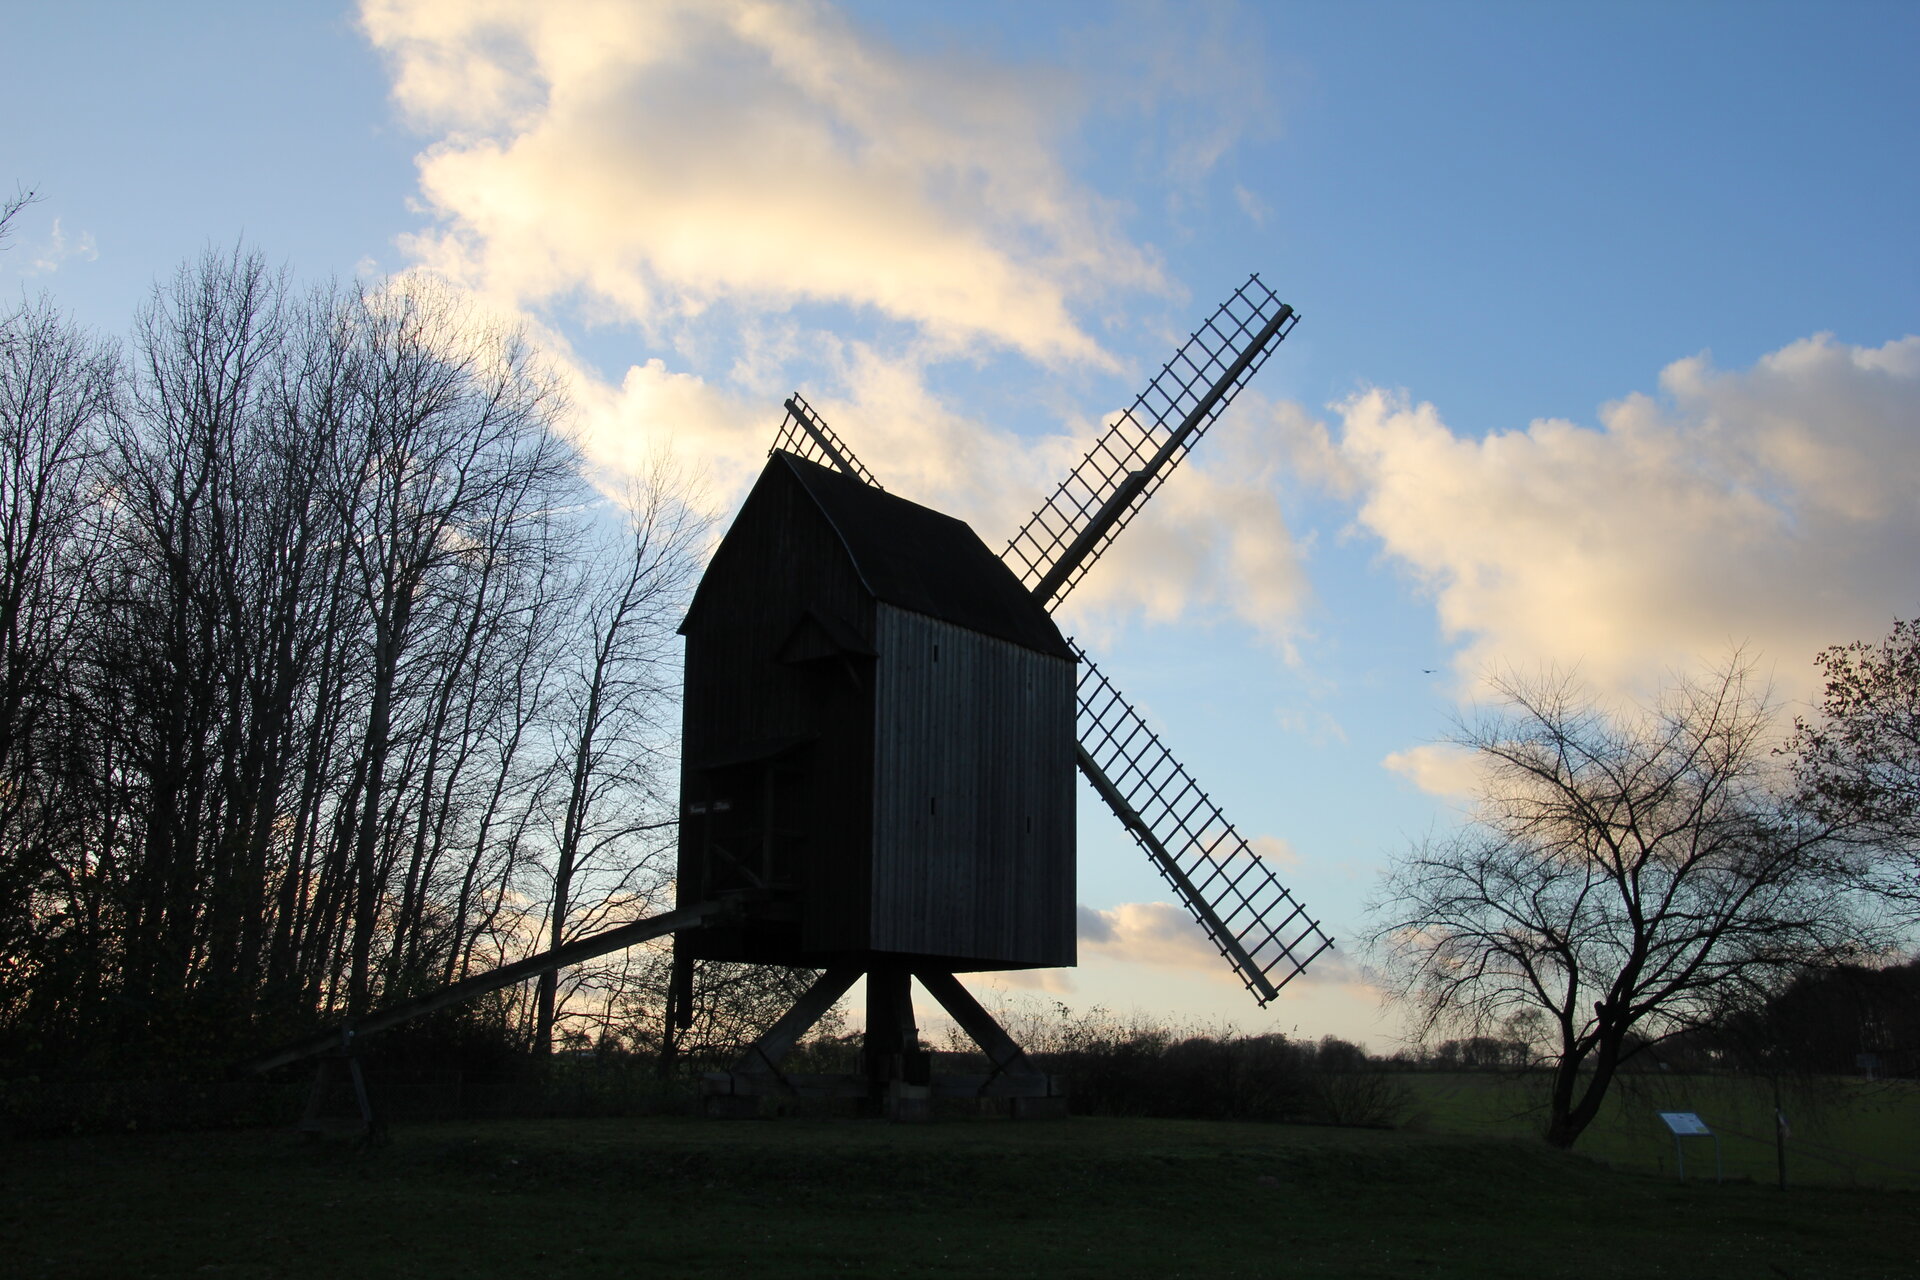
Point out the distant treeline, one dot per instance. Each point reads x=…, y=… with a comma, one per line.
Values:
x=326, y=677
x=1838, y=1021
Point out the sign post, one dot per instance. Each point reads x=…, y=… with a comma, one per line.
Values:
x=1686, y=1124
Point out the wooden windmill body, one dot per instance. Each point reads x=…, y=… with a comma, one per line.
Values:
x=878, y=747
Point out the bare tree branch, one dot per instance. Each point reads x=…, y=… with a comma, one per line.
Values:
x=1622, y=877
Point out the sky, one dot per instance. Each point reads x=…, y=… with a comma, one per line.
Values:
x=1607, y=359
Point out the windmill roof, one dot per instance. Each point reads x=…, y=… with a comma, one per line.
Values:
x=915, y=558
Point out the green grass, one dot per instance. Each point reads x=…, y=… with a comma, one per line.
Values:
x=797, y=1198
x=1843, y=1132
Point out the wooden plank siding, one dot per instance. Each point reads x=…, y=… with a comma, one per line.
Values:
x=904, y=782
x=973, y=822
x=780, y=559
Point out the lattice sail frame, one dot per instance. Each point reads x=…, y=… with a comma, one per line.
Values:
x=1133, y=458
x=1222, y=882
x=1258, y=927
x=806, y=435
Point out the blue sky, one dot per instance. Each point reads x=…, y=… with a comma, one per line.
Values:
x=1605, y=357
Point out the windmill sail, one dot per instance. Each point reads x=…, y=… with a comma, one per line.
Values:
x=805, y=435
x=1145, y=443
x=1251, y=918
x=1259, y=927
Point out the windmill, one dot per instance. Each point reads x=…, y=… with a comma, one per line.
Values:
x=881, y=726
x=877, y=807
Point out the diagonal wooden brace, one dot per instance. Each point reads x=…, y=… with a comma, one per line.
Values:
x=763, y=1056
x=1006, y=1056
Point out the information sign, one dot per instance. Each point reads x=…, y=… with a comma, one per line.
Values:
x=1686, y=1124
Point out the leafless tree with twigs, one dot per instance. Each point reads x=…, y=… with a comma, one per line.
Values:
x=617, y=697
x=1857, y=761
x=1626, y=876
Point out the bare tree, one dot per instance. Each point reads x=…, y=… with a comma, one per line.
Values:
x=175, y=626
x=58, y=390
x=451, y=467
x=1858, y=762
x=1626, y=877
x=618, y=728
x=315, y=686
x=10, y=209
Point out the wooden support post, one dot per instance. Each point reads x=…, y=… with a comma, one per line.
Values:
x=313, y=1121
x=626, y=935
x=373, y=1132
x=896, y=1075
x=679, y=1011
x=680, y=990
x=898, y=1071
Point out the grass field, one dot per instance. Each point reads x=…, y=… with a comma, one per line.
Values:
x=798, y=1198
x=1841, y=1132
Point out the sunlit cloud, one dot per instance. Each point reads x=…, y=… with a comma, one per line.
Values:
x=1162, y=936
x=1439, y=769
x=1059, y=982
x=1335, y=970
x=1769, y=509
x=1275, y=851
x=655, y=410
x=777, y=199
x=1156, y=933
x=668, y=157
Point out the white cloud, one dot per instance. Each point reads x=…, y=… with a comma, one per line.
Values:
x=1155, y=933
x=1191, y=77
x=1256, y=209
x=47, y=256
x=928, y=451
x=667, y=157
x=1162, y=936
x=778, y=199
x=656, y=410
x=1275, y=851
x=1336, y=968
x=1439, y=769
x=1318, y=726
x=1050, y=981
x=1771, y=508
